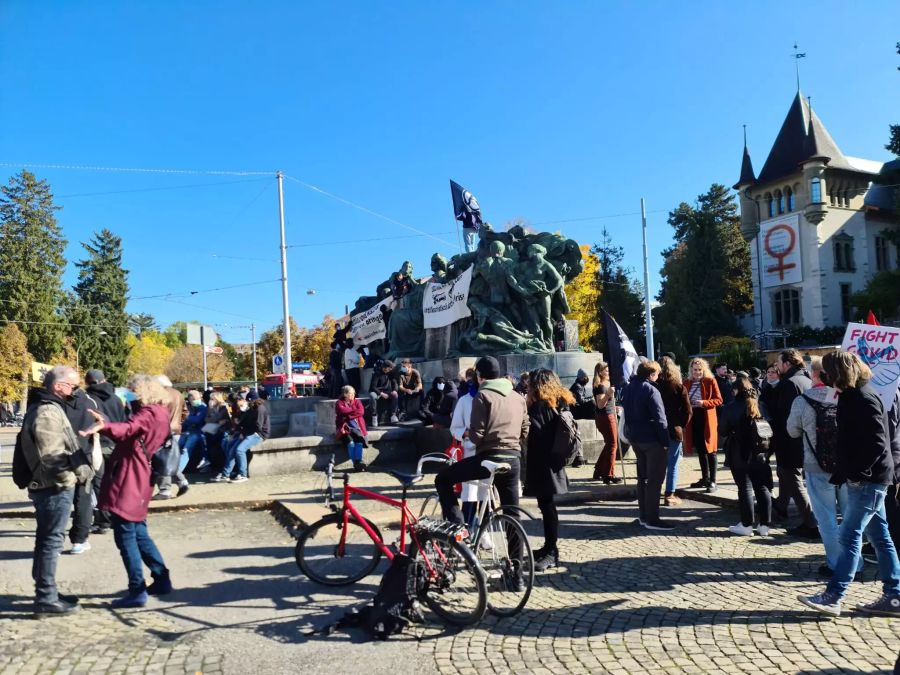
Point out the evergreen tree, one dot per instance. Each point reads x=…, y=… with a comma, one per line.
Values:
x=141, y=323
x=620, y=294
x=97, y=317
x=706, y=281
x=32, y=262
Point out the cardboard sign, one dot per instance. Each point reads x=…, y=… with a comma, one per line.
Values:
x=443, y=304
x=879, y=348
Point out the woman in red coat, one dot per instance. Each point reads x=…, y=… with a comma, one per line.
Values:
x=126, y=489
x=701, y=433
x=350, y=427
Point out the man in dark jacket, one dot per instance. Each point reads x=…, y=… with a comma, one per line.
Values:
x=794, y=380
x=383, y=392
x=892, y=500
x=647, y=429
x=77, y=406
x=103, y=395
x=584, y=398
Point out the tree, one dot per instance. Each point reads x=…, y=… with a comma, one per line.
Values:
x=142, y=322
x=894, y=144
x=186, y=365
x=706, y=275
x=314, y=344
x=583, y=294
x=272, y=342
x=148, y=354
x=15, y=364
x=176, y=334
x=32, y=261
x=620, y=294
x=881, y=295
x=97, y=318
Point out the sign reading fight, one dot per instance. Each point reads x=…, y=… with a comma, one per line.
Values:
x=443, y=304
x=368, y=326
x=780, y=251
x=878, y=347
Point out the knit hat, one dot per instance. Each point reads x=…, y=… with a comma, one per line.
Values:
x=488, y=367
x=94, y=377
x=581, y=373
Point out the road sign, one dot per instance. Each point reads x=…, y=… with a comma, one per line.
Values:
x=197, y=334
x=277, y=363
x=213, y=350
x=302, y=365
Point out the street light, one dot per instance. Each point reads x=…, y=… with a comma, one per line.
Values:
x=78, y=350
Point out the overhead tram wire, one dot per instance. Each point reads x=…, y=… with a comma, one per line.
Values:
x=121, y=169
x=207, y=290
x=158, y=189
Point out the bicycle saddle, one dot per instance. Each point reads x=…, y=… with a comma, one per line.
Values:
x=406, y=479
x=495, y=467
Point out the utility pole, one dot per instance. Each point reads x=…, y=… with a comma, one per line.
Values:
x=649, y=316
x=253, y=341
x=284, y=281
x=203, y=348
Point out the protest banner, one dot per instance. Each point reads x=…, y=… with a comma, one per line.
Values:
x=877, y=346
x=368, y=326
x=443, y=304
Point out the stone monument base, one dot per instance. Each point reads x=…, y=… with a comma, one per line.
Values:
x=564, y=364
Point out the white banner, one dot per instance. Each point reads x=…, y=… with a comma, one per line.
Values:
x=878, y=347
x=368, y=326
x=443, y=304
x=779, y=249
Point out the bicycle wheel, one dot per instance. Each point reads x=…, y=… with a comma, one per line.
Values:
x=431, y=507
x=319, y=555
x=504, y=553
x=454, y=586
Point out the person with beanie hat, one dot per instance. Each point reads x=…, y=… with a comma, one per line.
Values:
x=584, y=400
x=350, y=425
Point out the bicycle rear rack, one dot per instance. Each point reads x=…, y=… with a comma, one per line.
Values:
x=443, y=528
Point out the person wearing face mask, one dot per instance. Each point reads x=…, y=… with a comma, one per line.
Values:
x=459, y=427
x=192, y=441
x=584, y=401
x=253, y=428
x=409, y=388
x=439, y=403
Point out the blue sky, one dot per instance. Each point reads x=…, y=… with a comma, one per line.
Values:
x=547, y=111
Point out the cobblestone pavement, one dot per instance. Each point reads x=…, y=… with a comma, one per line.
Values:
x=624, y=601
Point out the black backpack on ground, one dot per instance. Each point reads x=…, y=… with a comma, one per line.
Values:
x=825, y=447
x=395, y=605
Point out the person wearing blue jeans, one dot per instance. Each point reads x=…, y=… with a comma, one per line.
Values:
x=863, y=463
x=673, y=458
x=254, y=429
x=825, y=499
x=677, y=405
x=238, y=457
x=52, y=509
x=137, y=549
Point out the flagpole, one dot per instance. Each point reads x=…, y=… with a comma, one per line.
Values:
x=649, y=316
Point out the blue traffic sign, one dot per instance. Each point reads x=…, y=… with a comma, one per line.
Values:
x=277, y=361
x=302, y=365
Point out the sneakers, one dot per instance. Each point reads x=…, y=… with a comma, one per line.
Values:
x=42, y=610
x=712, y=487
x=162, y=585
x=548, y=558
x=824, y=602
x=660, y=525
x=763, y=530
x=741, y=530
x=672, y=500
x=161, y=496
x=78, y=549
x=183, y=488
x=702, y=483
x=359, y=467
x=131, y=600
x=394, y=419
x=220, y=478
x=239, y=479
x=886, y=605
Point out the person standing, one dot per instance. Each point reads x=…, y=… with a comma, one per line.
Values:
x=701, y=435
x=892, y=500
x=545, y=473
x=103, y=395
x=352, y=361
x=723, y=381
x=126, y=488
x=175, y=405
x=789, y=451
x=76, y=407
x=748, y=458
x=459, y=427
x=648, y=431
x=350, y=426
x=53, y=454
x=606, y=423
x=677, y=405
x=865, y=465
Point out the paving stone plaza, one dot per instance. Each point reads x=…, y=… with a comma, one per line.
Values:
x=625, y=601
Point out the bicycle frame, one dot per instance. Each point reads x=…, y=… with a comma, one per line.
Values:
x=406, y=516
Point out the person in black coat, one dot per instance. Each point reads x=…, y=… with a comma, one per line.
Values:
x=439, y=403
x=545, y=476
x=584, y=399
x=892, y=501
x=103, y=395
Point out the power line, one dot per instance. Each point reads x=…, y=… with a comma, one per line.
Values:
x=358, y=241
x=207, y=290
x=156, y=189
x=608, y=217
x=121, y=169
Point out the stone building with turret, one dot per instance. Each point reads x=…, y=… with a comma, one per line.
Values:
x=815, y=224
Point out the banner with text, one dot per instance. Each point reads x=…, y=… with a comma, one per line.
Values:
x=779, y=250
x=878, y=347
x=445, y=303
x=368, y=326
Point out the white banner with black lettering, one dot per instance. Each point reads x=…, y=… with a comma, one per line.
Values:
x=368, y=326
x=445, y=303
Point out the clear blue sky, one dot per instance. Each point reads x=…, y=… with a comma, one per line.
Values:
x=547, y=111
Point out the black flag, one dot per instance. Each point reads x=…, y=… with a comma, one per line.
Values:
x=465, y=206
x=620, y=352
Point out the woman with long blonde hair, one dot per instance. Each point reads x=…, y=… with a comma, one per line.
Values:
x=606, y=423
x=545, y=477
x=701, y=435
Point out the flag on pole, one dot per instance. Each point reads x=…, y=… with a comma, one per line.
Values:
x=621, y=356
x=871, y=320
x=465, y=206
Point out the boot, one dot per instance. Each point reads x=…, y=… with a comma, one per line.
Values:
x=162, y=585
x=712, y=460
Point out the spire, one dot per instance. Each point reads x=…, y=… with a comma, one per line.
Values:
x=787, y=152
x=747, y=176
x=819, y=144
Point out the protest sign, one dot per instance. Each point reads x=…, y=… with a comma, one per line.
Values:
x=368, y=326
x=877, y=346
x=444, y=304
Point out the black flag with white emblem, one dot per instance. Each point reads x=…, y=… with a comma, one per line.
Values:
x=465, y=206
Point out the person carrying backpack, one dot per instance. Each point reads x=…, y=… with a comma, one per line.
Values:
x=748, y=438
x=813, y=418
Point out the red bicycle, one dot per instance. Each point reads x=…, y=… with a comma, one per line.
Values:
x=344, y=547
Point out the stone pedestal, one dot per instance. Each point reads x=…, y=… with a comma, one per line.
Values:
x=564, y=364
x=570, y=336
x=437, y=342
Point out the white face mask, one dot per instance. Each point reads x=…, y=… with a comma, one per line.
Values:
x=440, y=386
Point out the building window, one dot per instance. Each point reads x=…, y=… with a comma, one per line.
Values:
x=882, y=254
x=790, y=200
x=786, y=306
x=780, y=199
x=845, y=303
x=815, y=191
x=843, y=253
x=770, y=204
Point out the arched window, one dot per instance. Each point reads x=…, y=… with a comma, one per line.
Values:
x=790, y=199
x=786, y=308
x=780, y=199
x=815, y=191
x=770, y=204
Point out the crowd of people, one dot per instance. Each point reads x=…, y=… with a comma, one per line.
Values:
x=90, y=455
